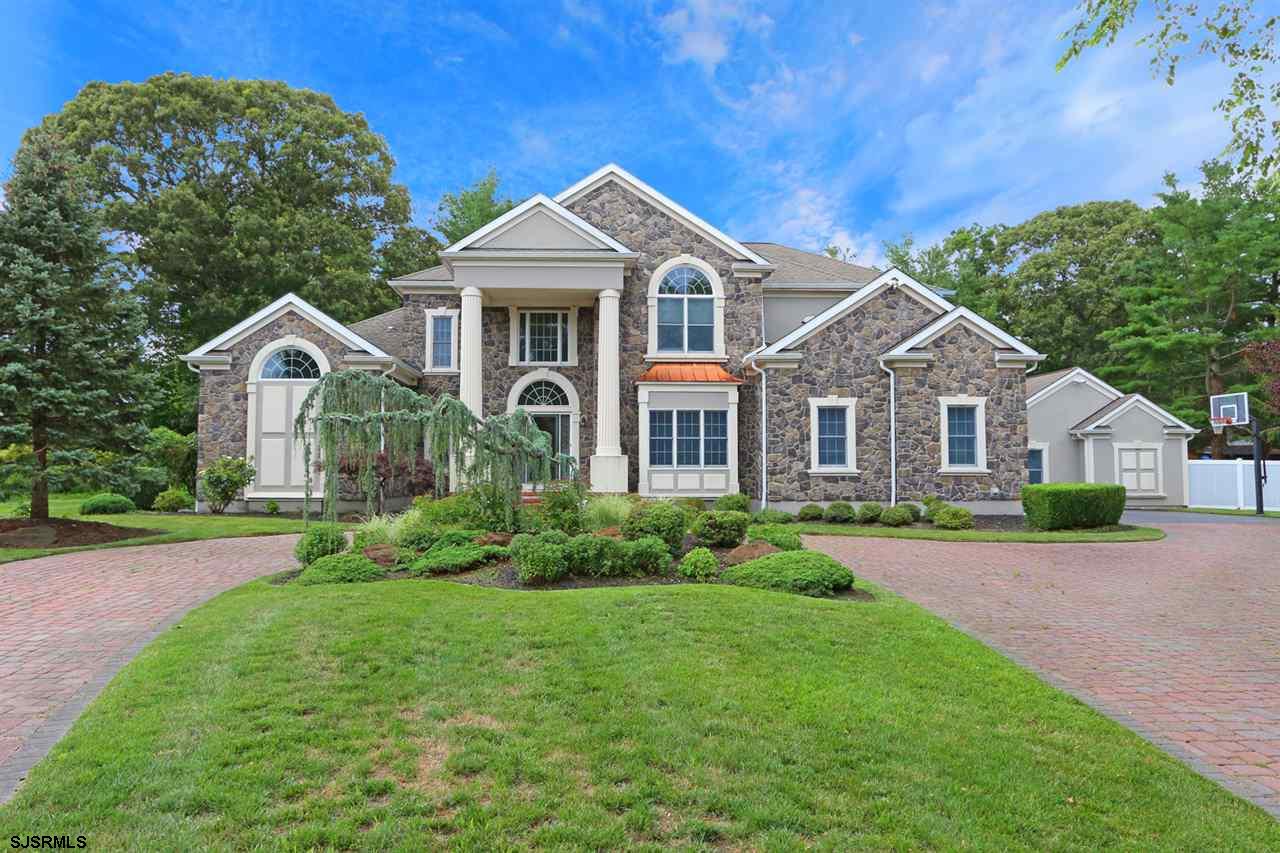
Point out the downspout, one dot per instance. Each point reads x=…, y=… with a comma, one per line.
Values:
x=764, y=433
x=893, y=433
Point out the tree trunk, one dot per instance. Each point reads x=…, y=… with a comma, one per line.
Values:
x=40, y=480
x=1214, y=384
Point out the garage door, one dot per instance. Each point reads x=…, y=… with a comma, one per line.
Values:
x=1139, y=469
x=283, y=384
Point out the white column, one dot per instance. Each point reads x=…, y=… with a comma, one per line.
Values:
x=608, y=464
x=470, y=383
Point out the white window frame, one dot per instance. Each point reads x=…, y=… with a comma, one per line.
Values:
x=980, y=451
x=517, y=315
x=702, y=439
x=1158, y=447
x=850, y=405
x=717, y=352
x=431, y=314
x=1043, y=447
x=573, y=409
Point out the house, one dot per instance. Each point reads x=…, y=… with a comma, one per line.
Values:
x=1083, y=430
x=667, y=357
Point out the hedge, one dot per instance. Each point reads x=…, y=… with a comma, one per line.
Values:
x=107, y=504
x=1067, y=506
x=802, y=572
x=721, y=528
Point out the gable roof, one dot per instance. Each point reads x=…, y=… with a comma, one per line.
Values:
x=795, y=266
x=1122, y=404
x=529, y=207
x=381, y=331
x=614, y=172
x=439, y=272
x=890, y=278
x=283, y=305
x=964, y=316
x=1043, y=385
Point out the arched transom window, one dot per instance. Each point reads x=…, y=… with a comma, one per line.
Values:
x=290, y=363
x=543, y=393
x=686, y=311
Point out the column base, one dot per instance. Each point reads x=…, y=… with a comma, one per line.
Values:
x=609, y=474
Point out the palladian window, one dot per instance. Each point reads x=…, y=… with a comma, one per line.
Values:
x=686, y=311
x=290, y=363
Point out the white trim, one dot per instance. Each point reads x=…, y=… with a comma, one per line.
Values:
x=980, y=442
x=717, y=291
x=286, y=342
x=286, y=303
x=430, y=314
x=1075, y=376
x=1090, y=467
x=251, y=400
x=978, y=324
x=1186, y=473
x=526, y=209
x=1143, y=402
x=1043, y=447
x=573, y=410
x=644, y=389
x=515, y=318
x=890, y=279
x=850, y=405
x=1158, y=447
x=613, y=171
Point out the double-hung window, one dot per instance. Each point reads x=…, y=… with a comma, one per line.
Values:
x=964, y=435
x=686, y=312
x=832, y=433
x=543, y=337
x=1035, y=465
x=442, y=340
x=688, y=438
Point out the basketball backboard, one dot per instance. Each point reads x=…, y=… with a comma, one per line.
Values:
x=1229, y=409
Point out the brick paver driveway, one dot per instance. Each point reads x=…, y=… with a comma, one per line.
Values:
x=1179, y=639
x=69, y=622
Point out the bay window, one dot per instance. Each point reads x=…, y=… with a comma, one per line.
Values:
x=688, y=438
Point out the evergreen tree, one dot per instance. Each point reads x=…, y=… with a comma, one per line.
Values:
x=70, y=336
x=466, y=211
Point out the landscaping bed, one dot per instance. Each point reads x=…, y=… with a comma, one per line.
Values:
x=64, y=533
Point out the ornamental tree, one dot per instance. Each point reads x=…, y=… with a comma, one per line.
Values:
x=70, y=335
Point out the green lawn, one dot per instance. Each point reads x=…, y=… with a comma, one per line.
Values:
x=1133, y=534
x=177, y=528
x=419, y=714
x=1207, y=511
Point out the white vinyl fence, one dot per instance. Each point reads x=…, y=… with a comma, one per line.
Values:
x=1228, y=484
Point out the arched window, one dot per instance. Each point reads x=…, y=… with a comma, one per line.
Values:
x=686, y=311
x=543, y=392
x=290, y=363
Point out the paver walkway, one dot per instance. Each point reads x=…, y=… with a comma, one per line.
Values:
x=1178, y=639
x=69, y=622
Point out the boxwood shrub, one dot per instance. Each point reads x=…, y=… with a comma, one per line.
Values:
x=656, y=518
x=173, y=499
x=700, y=564
x=803, y=572
x=600, y=556
x=896, y=516
x=1065, y=506
x=647, y=555
x=107, y=503
x=340, y=568
x=841, y=512
x=733, y=503
x=810, y=512
x=869, y=512
x=777, y=536
x=721, y=528
x=950, y=517
x=540, y=561
x=914, y=509
x=771, y=516
x=319, y=540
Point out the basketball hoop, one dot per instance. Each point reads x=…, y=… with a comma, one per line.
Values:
x=1220, y=423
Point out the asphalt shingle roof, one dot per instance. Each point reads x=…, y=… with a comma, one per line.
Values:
x=796, y=266
x=390, y=329
x=1039, y=381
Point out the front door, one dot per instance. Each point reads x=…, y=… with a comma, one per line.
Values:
x=556, y=426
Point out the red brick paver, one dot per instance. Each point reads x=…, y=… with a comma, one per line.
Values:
x=1180, y=639
x=67, y=623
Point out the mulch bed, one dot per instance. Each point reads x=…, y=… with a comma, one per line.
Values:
x=63, y=533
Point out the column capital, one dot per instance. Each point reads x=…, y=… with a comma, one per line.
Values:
x=610, y=293
x=470, y=291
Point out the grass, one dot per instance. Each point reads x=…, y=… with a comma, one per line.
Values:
x=1127, y=534
x=1204, y=510
x=423, y=714
x=176, y=528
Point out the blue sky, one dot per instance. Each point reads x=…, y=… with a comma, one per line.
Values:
x=802, y=123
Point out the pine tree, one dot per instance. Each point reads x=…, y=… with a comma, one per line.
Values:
x=70, y=336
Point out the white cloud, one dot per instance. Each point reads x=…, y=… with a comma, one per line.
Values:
x=700, y=31
x=932, y=65
x=584, y=11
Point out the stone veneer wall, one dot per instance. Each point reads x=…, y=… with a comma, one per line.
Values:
x=964, y=363
x=644, y=228
x=411, y=338
x=841, y=360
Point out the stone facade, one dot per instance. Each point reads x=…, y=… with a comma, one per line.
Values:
x=841, y=360
x=657, y=237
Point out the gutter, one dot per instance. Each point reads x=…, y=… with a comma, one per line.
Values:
x=893, y=433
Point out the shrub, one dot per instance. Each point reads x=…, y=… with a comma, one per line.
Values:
x=656, y=518
x=594, y=555
x=933, y=507
x=540, y=562
x=530, y=519
x=319, y=540
x=1064, y=506
x=693, y=507
x=869, y=512
x=896, y=516
x=777, y=536
x=340, y=568
x=414, y=531
x=810, y=512
x=699, y=564
x=453, y=538
x=840, y=512
x=606, y=511
x=145, y=485
x=450, y=559
x=173, y=499
x=453, y=509
x=272, y=507
x=953, y=518
x=562, y=507
x=721, y=528
x=733, y=503
x=647, y=555
x=175, y=453
x=771, y=516
x=803, y=572
x=223, y=479
x=930, y=500
x=375, y=530
x=106, y=504
x=914, y=509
